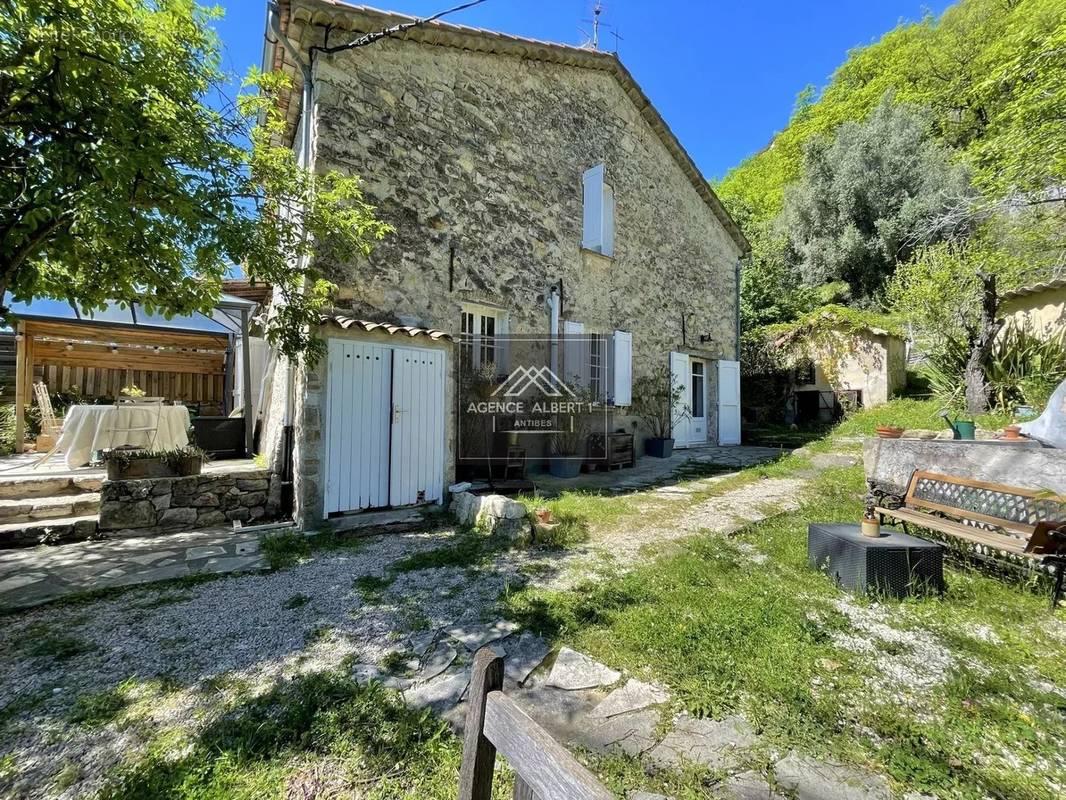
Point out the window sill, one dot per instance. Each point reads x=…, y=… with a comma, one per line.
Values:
x=597, y=255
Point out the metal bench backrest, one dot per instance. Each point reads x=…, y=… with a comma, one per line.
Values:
x=544, y=769
x=992, y=505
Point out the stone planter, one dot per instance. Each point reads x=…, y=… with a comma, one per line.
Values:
x=139, y=468
x=658, y=448
x=565, y=467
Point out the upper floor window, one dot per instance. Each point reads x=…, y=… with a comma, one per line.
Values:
x=479, y=331
x=598, y=219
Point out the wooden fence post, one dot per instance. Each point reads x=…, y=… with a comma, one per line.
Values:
x=479, y=754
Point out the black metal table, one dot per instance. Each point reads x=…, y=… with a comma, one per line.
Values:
x=895, y=563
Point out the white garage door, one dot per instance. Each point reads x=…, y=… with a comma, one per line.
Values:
x=384, y=426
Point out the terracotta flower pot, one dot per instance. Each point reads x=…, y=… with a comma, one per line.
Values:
x=889, y=431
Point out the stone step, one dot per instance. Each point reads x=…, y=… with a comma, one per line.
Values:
x=52, y=531
x=23, y=486
x=34, y=509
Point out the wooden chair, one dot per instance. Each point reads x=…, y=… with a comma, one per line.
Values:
x=544, y=770
x=154, y=405
x=1009, y=519
x=50, y=426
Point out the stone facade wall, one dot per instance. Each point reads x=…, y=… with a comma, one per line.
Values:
x=476, y=159
x=159, y=505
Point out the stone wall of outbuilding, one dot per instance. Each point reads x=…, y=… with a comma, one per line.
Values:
x=160, y=505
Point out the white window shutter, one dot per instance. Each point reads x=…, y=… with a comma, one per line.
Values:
x=575, y=355
x=608, y=220
x=728, y=402
x=622, y=362
x=592, y=237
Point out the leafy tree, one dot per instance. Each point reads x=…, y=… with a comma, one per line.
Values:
x=867, y=196
x=992, y=74
x=123, y=176
x=949, y=293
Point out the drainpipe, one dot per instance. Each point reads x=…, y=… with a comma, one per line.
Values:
x=553, y=305
x=303, y=136
x=738, y=311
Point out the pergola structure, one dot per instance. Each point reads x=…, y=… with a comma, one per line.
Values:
x=188, y=358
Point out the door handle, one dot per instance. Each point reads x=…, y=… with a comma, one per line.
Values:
x=396, y=411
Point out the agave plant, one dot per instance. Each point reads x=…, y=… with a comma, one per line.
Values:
x=1025, y=367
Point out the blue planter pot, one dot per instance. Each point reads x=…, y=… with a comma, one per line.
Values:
x=564, y=467
x=659, y=448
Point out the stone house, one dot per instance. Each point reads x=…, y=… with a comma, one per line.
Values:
x=534, y=190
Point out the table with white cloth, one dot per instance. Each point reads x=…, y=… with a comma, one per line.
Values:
x=87, y=429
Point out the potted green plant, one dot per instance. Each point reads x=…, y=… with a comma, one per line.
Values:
x=135, y=464
x=568, y=444
x=657, y=405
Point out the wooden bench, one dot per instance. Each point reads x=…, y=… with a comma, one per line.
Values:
x=1009, y=519
x=544, y=770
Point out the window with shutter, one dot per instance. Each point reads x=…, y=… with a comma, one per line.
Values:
x=598, y=216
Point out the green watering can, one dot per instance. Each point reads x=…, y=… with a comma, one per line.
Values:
x=960, y=428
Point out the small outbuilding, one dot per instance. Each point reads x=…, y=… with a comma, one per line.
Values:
x=841, y=365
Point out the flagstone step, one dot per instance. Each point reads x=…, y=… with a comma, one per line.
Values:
x=34, y=509
x=49, y=531
x=22, y=486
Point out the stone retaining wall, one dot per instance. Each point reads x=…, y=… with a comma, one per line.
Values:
x=160, y=505
x=890, y=462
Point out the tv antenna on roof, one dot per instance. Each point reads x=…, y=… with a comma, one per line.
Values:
x=593, y=42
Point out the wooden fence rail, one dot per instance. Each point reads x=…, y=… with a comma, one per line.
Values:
x=544, y=769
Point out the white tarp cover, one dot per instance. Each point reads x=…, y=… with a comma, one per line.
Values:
x=1050, y=427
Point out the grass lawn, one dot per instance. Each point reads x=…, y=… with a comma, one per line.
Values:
x=960, y=697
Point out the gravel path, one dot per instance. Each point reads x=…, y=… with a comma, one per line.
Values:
x=257, y=629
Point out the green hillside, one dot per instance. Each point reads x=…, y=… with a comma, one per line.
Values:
x=992, y=74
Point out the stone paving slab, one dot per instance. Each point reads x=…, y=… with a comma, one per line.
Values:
x=633, y=734
x=474, y=637
x=746, y=786
x=574, y=670
x=523, y=655
x=31, y=576
x=810, y=779
x=441, y=694
x=634, y=696
x=712, y=743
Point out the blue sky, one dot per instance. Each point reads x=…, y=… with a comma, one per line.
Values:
x=724, y=75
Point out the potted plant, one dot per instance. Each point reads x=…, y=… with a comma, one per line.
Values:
x=568, y=444
x=134, y=464
x=657, y=404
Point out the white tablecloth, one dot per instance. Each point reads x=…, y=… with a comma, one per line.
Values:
x=89, y=428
